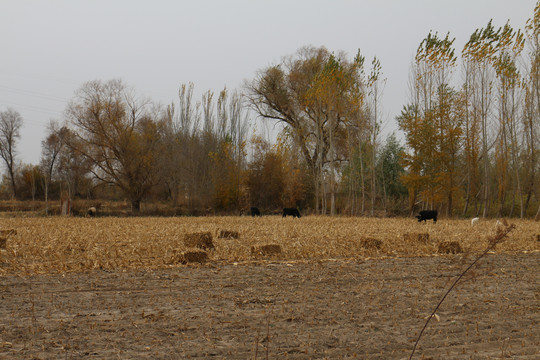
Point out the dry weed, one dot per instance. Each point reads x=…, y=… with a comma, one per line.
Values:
x=493, y=240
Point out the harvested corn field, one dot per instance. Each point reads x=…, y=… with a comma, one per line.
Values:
x=131, y=288
x=59, y=245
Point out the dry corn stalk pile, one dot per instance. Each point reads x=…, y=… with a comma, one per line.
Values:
x=59, y=244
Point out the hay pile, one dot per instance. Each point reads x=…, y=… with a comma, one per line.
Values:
x=450, y=247
x=4, y=236
x=371, y=243
x=196, y=256
x=421, y=238
x=8, y=232
x=187, y=257
x=266, y=250
x=202, y=240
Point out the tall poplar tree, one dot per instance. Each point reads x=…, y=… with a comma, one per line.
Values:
x=508, y=48
x=433, y=132
x=532, y=109
x=477, y=54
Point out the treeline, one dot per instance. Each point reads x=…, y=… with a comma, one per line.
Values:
x=473, y=149
x=192, y=154
x=470, y=149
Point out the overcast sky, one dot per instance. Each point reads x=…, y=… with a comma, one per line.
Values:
x=48, y=49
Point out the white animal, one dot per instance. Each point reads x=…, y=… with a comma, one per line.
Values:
x=474, y=221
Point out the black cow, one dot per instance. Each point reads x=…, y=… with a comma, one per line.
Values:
x=427, y=215
x=291, y=211
x=255, y=212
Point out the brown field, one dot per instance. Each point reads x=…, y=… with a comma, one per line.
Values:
x=329, y=288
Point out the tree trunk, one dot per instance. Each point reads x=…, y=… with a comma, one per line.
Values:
x=46, y=198
x=332, y=174
x=13, y=185
x=467, y=201
x=136, y=205
x=34, y=187
x=363, y=186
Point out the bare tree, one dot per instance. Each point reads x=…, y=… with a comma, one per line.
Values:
x=119, y=135
x=73, y=169
x=180, y=162
x=50, y=151
x=10, y=125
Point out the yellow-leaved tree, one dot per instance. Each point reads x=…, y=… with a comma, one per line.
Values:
x=432, y=127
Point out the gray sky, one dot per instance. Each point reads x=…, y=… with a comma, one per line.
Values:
x=48, y=49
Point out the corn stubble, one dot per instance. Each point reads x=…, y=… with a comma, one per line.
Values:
x=63, y=244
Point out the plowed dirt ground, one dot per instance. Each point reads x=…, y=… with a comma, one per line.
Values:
x=346, y=309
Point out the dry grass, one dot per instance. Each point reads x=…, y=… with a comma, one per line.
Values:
x=8, y=232
x=229, y=234
x=57, y=244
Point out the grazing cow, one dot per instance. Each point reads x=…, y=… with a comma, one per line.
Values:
x=92, y=211
x=291, y=211
x=427, y=215
x=255, y=211
x=474, y=221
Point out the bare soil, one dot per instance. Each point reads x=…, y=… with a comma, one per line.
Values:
x=341, y=309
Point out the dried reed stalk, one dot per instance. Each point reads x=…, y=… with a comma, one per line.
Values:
x=492, y=243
